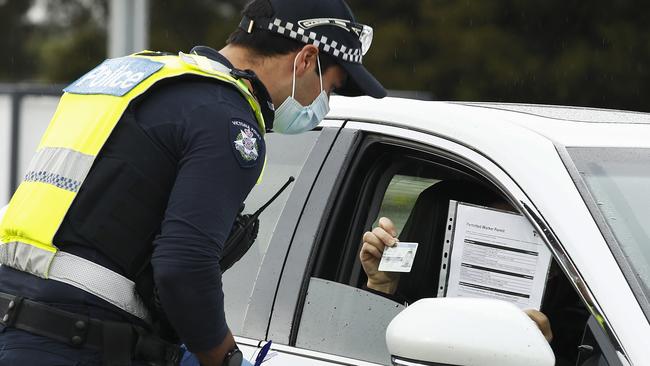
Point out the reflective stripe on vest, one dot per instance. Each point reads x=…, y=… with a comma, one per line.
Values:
x=85, y=117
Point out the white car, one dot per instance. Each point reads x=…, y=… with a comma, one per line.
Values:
x=580, y=176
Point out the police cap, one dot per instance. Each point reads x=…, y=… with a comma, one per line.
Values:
x=330, y=26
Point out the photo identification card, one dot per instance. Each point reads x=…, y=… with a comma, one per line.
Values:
x=398, y=258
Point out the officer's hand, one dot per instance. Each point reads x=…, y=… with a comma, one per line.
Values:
x=372, y=249
x=542, y=322
x=189, y=359
x=215, y=356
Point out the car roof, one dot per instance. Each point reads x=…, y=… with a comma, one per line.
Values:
x=469, y=121
x=568, y=113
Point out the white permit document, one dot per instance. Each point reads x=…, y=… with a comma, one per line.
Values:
x=495, y=254
x=398, y=258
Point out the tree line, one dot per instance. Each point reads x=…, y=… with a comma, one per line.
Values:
x=568, y=52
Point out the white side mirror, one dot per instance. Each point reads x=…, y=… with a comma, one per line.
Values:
x=466, y=332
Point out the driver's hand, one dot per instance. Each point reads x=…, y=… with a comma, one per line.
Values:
x=542, y=322
x=372, y=249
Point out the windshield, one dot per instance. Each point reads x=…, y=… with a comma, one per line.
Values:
x=618, y=180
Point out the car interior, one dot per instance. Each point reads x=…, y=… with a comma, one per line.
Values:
x=412, y=185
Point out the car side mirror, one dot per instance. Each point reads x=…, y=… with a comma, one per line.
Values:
x=466, y=332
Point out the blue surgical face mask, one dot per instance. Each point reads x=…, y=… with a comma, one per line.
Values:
x=292, y=118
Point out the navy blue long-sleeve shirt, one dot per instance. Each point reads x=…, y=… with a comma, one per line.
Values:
x=211, y=132
x=209, y=189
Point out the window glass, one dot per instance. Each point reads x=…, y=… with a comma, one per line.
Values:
x=286, y=156
x=618, y=179
x=346, y=321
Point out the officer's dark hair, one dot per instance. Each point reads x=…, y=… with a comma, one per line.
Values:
x=266, y=43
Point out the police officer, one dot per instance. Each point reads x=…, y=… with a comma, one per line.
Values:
x=112, y=242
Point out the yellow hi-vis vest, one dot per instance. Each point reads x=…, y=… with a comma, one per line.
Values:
x=85, y=117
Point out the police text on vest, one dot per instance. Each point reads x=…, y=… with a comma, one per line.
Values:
x=115, y=76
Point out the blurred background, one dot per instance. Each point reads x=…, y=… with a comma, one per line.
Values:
x=585, y=53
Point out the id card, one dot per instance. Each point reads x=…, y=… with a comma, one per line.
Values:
x=398, y=258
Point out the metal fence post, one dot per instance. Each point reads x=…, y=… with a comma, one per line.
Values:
x=17, y=94
x=128, y=27
x=16, y=99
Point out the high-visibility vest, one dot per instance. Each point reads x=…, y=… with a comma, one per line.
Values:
x=85, y=117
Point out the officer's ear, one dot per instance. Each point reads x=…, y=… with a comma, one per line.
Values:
x=306, y=60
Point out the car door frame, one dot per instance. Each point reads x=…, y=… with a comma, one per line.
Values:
x=314, y=178
x=258, y=314
x=295, y=276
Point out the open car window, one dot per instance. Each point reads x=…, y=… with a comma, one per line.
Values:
x=340, y=315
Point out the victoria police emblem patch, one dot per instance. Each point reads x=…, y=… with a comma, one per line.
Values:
x=246, y=143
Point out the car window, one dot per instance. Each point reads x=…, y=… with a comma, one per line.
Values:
x=617, y=180
x=340, y=315
x=356, y=321
x=357, y=318
x=286, y=156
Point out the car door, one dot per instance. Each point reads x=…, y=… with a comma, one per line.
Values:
x=249, y=285
x=320, y=310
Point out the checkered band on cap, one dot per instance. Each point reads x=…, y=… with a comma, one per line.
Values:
x=331, y=47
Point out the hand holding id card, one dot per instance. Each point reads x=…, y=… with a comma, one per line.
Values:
x=398, y=258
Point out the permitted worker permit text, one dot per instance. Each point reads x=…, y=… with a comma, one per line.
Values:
x=495, y=254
